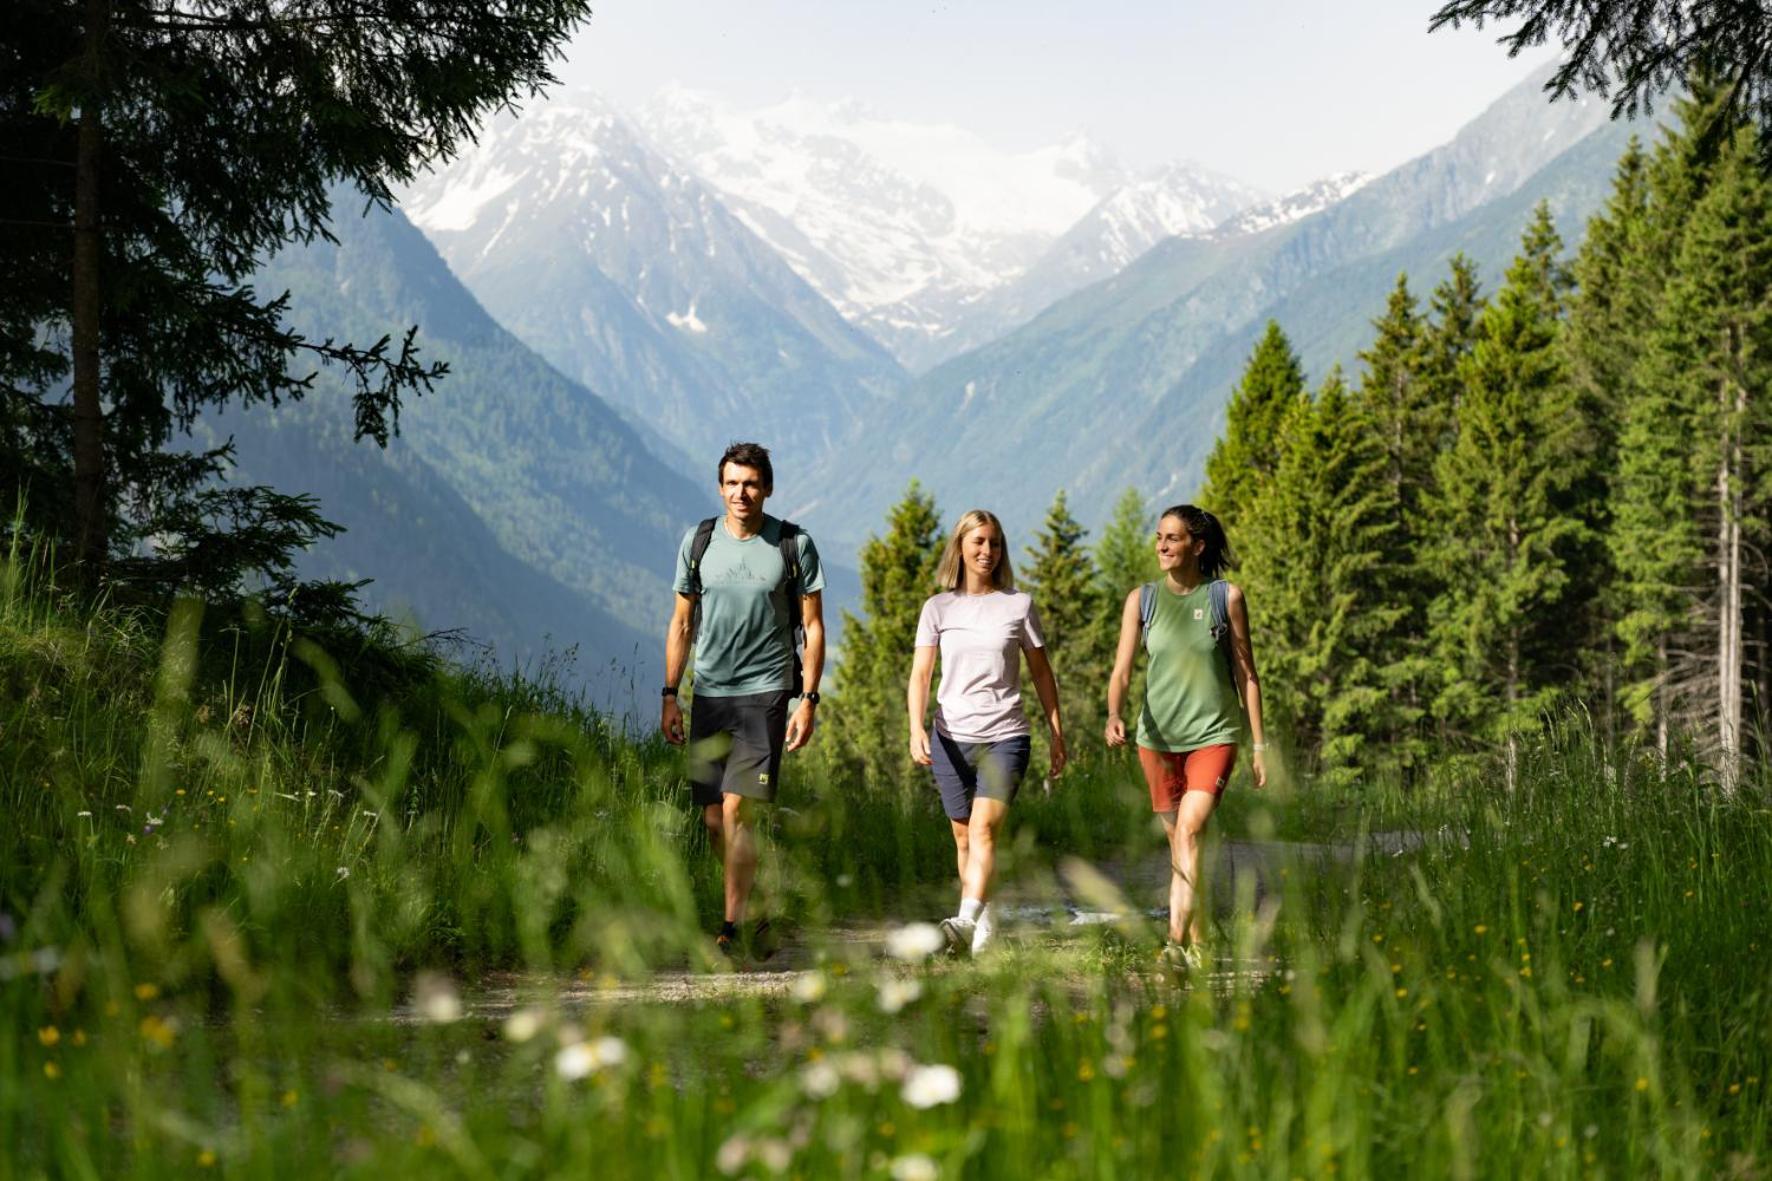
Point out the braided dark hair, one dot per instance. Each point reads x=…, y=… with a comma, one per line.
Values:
x=1217, y=557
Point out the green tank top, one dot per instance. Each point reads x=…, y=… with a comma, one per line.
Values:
x=1190, y=700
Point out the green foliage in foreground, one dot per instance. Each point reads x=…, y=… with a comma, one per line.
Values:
x=1567, y=980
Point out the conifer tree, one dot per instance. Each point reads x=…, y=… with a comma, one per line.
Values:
x=1124, y=558
x=1398, y=402
x=1653, y=540
x=1248, y=451
x=1314, y=553
x=1713, y=351
x=1609, y=313
x=1362, y=605
x=165, y=151
x=1453, y=311
x=1613, y=303
x=867, y=721
x=1392, y=396
x=1272, y=537
x=1660, y=494
x=1508, y=524
x=1061, y=576
x=1634, y=52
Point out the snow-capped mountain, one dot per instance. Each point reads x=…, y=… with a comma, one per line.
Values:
x=1312, y=198
x=1179, y=199
x=1182, y=199
x=633, y=277
x=901, y=225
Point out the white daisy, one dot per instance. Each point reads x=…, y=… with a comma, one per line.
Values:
x=930, y=1086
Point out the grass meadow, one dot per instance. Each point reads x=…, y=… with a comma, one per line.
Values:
x=268, y=909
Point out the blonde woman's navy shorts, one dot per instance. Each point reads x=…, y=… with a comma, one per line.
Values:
x=967, y=770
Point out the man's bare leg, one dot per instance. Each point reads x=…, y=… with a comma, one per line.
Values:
x=740, y=847
x=713, y=818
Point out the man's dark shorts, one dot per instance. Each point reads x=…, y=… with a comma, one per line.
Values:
x=964, y=770
x=735, y=746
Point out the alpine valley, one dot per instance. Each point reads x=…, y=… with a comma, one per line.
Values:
x=621, y=293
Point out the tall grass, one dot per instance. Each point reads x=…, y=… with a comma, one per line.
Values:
x=244, y=899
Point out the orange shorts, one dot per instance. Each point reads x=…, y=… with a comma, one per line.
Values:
x=1170, y=773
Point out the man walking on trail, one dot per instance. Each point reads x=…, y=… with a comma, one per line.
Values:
x=747, y=584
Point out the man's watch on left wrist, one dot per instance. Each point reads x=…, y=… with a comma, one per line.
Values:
x=810, y=697
x=668, y=691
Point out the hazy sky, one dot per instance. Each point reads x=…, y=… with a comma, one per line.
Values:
x=1274, y=92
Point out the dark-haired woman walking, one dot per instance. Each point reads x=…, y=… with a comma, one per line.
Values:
x=1200, y=665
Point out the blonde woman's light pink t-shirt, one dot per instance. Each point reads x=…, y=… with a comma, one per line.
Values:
x=981, y=639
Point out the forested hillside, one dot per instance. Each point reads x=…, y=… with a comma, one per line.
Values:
x=514, y=504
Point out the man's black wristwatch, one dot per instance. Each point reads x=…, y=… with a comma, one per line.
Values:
x=668, y=691
x=812, y=697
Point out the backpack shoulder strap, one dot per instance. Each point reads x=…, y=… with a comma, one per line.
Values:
x=698, y=548
x=792, y=576
x=1147, y=610
x=790, y=557
x=1220, y=595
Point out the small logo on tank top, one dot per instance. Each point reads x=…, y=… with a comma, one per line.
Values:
x=1199, y=613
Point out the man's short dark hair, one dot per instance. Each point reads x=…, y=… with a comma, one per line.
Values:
x=752, y=455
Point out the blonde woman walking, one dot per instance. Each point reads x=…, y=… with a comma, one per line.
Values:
x=981, y=627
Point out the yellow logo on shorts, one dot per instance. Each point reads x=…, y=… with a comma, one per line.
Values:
x=763, y=779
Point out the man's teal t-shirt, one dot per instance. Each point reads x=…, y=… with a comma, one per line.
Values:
x=745, y=642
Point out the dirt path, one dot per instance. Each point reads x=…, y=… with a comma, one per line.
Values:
x=1039, y=910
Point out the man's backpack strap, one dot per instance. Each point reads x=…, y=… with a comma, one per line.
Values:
x=698, y=548
x=1147, y=610
x=791, y=583
x=790, y=557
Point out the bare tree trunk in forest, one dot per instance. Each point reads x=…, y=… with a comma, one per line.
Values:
x=1663, y=698
x=1729, y=646
x=1513, y=670
x=90, y=516
x=1513, y=691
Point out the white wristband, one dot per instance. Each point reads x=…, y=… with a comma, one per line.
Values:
x=1258, y=747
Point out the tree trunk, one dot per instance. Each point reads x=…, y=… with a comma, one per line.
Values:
x=1663, y=698
x=1513, y=669
x=1513, y=696
x=1729, y=638
x=90, y=515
